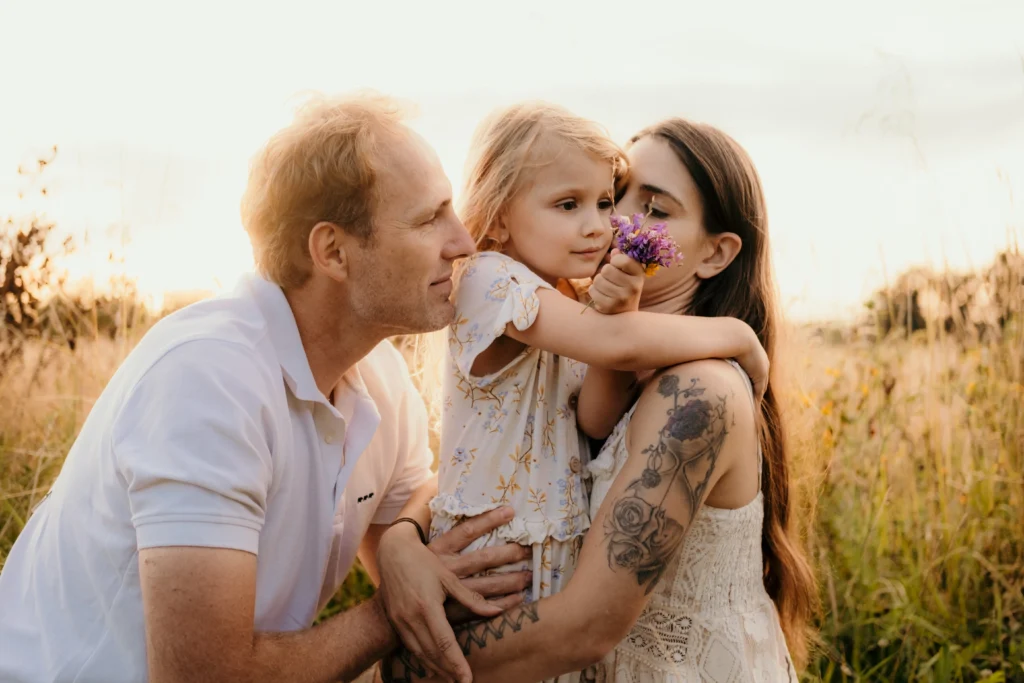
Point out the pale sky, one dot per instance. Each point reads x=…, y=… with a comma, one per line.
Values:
x=886, y=133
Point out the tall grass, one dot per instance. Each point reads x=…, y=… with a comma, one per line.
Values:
x=909, y=465
x=910, y=461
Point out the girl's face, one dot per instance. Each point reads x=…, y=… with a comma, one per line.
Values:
x=559, y=224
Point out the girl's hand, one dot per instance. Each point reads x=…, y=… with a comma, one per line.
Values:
x=617, y=286
x=756, y=364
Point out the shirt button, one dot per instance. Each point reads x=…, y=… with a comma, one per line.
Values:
x=329, y=437
x=573, y=402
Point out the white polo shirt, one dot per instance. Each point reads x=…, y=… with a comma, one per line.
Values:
x=211, y=433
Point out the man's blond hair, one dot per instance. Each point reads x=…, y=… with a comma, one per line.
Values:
x=319, y=168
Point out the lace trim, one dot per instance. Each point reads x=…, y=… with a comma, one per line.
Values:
x=661, y=637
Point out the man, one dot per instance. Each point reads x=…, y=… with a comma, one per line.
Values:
x=252, y=444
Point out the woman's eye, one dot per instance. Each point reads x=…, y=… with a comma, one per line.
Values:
x=654, y=211
x=568, y=205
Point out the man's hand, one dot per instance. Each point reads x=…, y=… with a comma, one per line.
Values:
x=617, y=286
x=417, y=580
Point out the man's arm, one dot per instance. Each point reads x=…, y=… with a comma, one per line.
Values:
x=685, y=435
x=417, y=508
x=192, y=446
x=199, y=609
x=368, y=551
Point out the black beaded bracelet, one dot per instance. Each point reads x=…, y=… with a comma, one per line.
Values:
x=419, y=529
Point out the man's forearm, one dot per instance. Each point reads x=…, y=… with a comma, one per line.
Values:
x=340, y=648
x=418, y=505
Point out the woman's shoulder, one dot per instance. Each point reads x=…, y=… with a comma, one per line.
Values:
x=700, y=377
x=699, y=399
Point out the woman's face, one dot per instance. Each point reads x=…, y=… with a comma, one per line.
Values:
x=661, y=186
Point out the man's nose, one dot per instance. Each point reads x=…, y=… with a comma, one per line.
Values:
x=460, y=244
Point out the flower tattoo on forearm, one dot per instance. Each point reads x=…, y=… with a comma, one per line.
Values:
x=404, y=668
x=641, y=537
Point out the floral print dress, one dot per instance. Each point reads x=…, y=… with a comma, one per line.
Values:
x=510, y=437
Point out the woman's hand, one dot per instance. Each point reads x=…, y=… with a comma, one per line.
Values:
x=417, y=580
x=617, y=286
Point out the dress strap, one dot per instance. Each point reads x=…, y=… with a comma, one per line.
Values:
x=757, y=416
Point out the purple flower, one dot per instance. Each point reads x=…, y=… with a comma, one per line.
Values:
x=651, y=247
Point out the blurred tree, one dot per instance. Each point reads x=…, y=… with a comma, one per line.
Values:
x=29, y=275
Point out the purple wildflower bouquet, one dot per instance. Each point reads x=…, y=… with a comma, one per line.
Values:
x=652, y=247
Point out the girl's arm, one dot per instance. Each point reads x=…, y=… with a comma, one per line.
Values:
x=640, y=341
x=690, y=428
x=604, y=397
x=607, y=394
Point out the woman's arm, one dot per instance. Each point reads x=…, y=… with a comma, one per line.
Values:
x=638, y=340
x=686, y=434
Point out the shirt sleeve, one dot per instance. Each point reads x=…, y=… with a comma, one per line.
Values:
x=415, y=461
x=192, y=441
x=493, y=290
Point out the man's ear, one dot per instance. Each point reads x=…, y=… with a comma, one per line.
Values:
x=719, y=252
x=329, y=248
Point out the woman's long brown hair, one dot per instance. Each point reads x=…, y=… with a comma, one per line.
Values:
x=733, y=201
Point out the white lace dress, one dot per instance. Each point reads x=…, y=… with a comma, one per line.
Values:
x=709, y=619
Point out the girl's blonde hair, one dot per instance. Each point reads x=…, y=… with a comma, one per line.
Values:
x=506, y=146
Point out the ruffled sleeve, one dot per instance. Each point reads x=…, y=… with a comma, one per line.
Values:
x=492, y=290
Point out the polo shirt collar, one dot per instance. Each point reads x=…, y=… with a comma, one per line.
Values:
x=284, y=335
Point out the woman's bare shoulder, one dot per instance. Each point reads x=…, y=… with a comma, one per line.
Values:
x=699, y=379
x=701, y=402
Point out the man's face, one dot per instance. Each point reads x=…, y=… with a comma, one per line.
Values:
x=401, y=281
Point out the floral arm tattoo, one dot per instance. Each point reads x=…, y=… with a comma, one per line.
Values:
x=642, y=538
x=404, y=668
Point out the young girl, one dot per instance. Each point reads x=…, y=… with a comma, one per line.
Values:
x=538, y=199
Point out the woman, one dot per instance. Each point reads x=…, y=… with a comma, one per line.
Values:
x=689, y=571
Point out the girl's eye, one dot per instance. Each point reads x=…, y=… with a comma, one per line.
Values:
x=605, y=205
x=568, y=205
